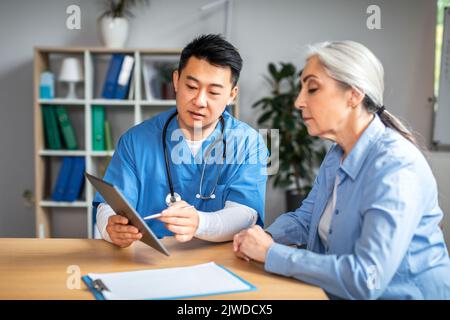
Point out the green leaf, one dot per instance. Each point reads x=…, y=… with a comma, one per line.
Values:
x=264, y=101
x=273, y=71
x=265, y=116
x=287, y=70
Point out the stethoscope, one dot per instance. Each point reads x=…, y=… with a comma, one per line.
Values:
x=173, y=197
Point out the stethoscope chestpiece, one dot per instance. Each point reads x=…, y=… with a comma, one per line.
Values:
x=212, y=197
x=169, y=199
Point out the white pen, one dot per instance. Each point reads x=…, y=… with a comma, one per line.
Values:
x=157, y=215
x=152, y=216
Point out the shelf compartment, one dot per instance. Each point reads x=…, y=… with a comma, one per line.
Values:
x=113, y=102
x=62, y=153
x=158, y=102
x=108, y=153
x=63, y=204
x=62, y=101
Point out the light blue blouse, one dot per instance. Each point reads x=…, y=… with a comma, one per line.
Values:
x=384, y=240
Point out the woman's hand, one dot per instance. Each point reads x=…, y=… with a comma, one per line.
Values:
x=182, y=219
x=252, y=243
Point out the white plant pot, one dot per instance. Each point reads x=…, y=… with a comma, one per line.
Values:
x=114, y=31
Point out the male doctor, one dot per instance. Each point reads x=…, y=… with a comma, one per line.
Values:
x=194, y=163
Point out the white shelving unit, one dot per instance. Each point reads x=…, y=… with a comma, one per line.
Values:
x=139, y=108
x=43, y=185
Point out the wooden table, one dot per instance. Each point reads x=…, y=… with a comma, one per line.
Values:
x=38, y=268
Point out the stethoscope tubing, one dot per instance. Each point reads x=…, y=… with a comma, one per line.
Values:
x=173, y=195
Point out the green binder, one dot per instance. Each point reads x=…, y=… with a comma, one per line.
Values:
x=108, y=137
x=53, y=140
x=66, y=127
x=98, y=132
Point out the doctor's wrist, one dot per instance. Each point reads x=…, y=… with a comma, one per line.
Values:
x=201, y=224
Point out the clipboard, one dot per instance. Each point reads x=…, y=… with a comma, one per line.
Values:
x=96, y=287
x=171, y=283
x=120, y=205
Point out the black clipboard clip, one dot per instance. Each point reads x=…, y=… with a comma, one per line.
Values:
x=99, y=285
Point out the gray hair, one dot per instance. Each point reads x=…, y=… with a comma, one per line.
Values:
x=354, y=65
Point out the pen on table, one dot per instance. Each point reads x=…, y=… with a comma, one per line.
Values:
x=157, y=215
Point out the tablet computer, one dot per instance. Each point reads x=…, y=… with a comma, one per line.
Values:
x=120, y=205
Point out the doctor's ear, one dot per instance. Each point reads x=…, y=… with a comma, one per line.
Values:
x=175, y=77
x=233, y=95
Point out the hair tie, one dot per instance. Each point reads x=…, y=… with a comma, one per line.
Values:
x=380, y=110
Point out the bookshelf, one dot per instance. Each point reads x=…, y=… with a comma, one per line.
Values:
x=122, y=114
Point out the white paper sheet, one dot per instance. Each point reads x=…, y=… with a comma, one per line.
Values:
x=171, y=283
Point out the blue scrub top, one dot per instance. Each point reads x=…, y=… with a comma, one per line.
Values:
x=137, y=168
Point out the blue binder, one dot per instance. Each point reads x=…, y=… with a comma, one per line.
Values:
x=76, y=179
x=124, y=78
x=109, y=87
x=62, y=180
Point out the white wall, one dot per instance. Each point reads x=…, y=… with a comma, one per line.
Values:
x=440, y=164
x=264, y=31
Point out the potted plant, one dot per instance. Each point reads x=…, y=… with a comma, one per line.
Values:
x=166, y=70
x=113, y=22
x=299, y=153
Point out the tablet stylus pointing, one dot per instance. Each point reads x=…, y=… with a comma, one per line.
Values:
x=153, y=216
x=157, y=215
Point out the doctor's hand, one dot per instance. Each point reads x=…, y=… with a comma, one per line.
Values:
x=182, y=219
x=252, y=243
x=120, y=232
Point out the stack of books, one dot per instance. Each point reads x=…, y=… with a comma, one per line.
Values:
x=59, y=132
x=69, y=183
x=101, y=130
x=118, y=81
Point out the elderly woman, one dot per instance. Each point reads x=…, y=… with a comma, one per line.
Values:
x=371, y=221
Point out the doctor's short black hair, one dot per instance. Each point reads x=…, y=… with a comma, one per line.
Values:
x=215, y=50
